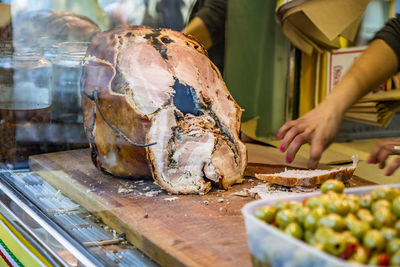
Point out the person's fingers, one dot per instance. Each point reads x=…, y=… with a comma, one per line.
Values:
x=379, y=146
x=393, y=167
x=375, y=151
x=385, y=151
x=289, y=137
x=283, y=130
x=294, y=146
x=317, y=147
x=382, y=165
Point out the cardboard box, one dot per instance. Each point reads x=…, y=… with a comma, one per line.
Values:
x=318, y=24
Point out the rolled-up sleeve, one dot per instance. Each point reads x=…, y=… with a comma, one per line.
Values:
x=390, y=33
x=213, y=14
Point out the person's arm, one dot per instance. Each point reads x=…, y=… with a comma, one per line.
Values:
x=320, y=126
x=198, y=30
x=208, y=23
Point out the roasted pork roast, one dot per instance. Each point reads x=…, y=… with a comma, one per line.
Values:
x=155, y=105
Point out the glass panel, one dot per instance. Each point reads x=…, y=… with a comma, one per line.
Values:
x=43, y=45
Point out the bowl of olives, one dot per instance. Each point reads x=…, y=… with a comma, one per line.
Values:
x=336, y=227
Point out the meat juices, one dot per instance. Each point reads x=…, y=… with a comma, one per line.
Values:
x=155, y=105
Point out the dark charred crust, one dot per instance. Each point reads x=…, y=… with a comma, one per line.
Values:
x=207, y=101
x=156, y=43
x=171, y=162
x=128, y=34
x=166, y=40
x=224, y=132
x=94, y=154
x=178, y=115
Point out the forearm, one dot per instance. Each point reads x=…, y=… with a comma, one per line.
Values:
x=198, y=30
x=372, y=68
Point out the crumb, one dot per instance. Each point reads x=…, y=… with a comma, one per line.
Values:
x=146, y=216
x=243, y=193
x=221, y=209
x=152, y=193
x=205, y=202
x=220, y=200
x=171, y=198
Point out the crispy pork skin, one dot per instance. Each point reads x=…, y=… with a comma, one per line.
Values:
x=155, y=105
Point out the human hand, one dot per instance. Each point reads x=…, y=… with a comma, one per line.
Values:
x=382, y=150
x=318, y=128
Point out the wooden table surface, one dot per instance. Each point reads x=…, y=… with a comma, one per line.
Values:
x=190, y=230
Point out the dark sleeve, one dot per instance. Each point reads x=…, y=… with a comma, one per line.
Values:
x=390, y=33
x=213, y=14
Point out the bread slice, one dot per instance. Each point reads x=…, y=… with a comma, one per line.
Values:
x=309, y=178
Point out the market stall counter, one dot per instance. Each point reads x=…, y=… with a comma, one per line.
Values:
x=173, y=230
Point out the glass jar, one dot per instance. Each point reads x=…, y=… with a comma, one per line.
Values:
x=25, y=100
x=67, y=71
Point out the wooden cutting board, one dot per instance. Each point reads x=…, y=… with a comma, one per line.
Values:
x=192, y=230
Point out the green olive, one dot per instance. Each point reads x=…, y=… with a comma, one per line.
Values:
x=384, y=193
x=331, y=195
x=332, y=185
x=365, y=215
x=352, y=197
x=309, y=237
x=388, y=233
x=373, y=260
x=301, y=213
x=294, y=229
x=280, y=205
x=354, y=206
x=373, y=239
x=349, y=237
x=396, y=206
x=314, y=202
x=295, y=205
x=393, y=246
x=334, y=221
x=335, y=244
x=366, y=201
x=322, y=234
x=338, y=206
x=357, y=228
x=266, y=214
x=383, y=217
x=311, y=219
x=395, y=259
x=350, y=216
x=359, y=256
x=379, y=204
x=285, y=217
x=397, y=227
